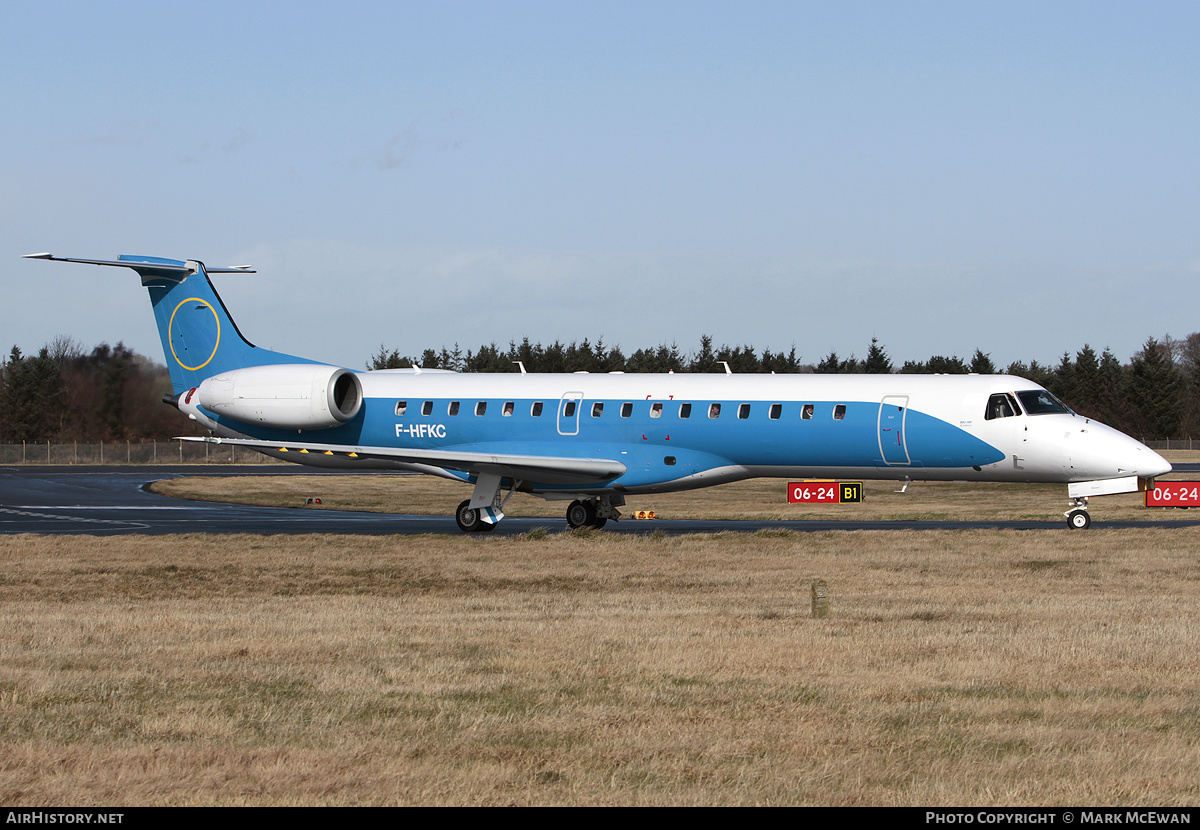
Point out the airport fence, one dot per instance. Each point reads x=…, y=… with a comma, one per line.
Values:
x=1172, y=444
x=131, y=452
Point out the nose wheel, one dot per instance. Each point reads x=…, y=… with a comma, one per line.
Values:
x=1078, y=517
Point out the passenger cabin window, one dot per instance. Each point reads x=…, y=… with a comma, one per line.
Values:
x=597, y=409
x=453, y=408
x=744, y=411
x=401, y=407
x=536, y=409
x=839, y=412
x=569, y=409
x=509, y=406
x=427, y=408
x=656, y=410
x=685, y=410
x=626, y=409
x=775, y=411
x=480, y=407
x=806, y=412
x=714, y=410
x=1001, y=406
x=1041, y=402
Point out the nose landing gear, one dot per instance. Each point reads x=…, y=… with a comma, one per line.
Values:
x=1078, y=517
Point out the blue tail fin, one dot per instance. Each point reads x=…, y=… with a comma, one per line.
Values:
x=199, y=338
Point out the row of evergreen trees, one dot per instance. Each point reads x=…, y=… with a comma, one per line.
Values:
x=589, y=357
x=63, y=394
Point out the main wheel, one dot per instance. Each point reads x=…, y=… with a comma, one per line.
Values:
x=1079, y=520
x=581, y=514
x=469, y=521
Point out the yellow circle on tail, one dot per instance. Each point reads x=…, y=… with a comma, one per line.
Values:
x=171, y=338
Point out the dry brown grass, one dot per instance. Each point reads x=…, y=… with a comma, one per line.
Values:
x=755, y=499
x=989, y=668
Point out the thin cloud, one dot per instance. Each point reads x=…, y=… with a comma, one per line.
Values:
x=401, y=147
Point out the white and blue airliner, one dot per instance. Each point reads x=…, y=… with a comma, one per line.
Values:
x=593, y=439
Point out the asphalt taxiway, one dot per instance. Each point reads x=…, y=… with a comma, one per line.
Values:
x=112, y=500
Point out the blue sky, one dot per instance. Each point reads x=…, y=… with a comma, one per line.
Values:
x=1018, y=177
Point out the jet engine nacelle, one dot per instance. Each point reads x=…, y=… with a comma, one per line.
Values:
x=287, y=396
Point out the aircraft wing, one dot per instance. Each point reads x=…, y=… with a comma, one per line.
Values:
x=538, y=468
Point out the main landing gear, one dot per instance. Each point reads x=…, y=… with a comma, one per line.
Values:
x=471, y=520
x=1078, y=517
x=489, y=500
x=593, y=512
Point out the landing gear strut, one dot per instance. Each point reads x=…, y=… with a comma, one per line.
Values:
x=489, y=504
x=1078, y=517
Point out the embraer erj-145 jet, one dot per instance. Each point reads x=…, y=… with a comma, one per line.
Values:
x=593, y=439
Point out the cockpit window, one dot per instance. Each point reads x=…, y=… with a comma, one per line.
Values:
x=999, y=406
x=1041, y=402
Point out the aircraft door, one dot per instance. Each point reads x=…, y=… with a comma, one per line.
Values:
x=568, y=413
x=893, y=409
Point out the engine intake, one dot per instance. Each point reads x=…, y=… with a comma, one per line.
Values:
x=287, y=396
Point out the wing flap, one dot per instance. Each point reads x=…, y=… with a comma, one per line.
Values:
x=542, y=469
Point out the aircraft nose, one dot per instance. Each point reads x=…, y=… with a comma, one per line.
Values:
x=1108, y=453
x=1142, y=461
x=1153, y=464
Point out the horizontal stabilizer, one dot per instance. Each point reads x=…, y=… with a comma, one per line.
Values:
x=146, y=264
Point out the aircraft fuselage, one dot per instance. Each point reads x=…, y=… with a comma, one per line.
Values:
x=681, y=431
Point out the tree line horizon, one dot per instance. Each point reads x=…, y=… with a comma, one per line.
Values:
x=65, y=394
